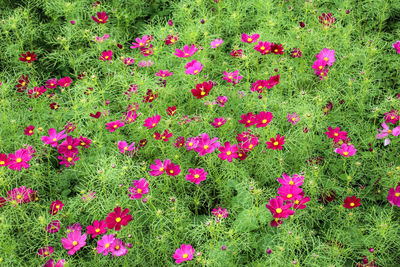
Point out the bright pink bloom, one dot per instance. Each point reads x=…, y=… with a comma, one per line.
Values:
x=46, y=251
x=140, y=42
x=19, y=160
x=4, y=161
x=386, y=131
x=299, y=201
x=98, y=228
x=118, y=248
x=130, y=116
x=164, y=73
x=152, y=122
x=272, y=81
x=164, y=136
x=250, y=39
x=36, y=91
x=319, y=64
x=129, y=61
x=56, y=206
x=216, y=43
x=221, y=100
x=196, y=175
x=236, y=53
x=50, y=263
x=53, y=226
x=69, y=146
x=263, y=119
x=248, y=144
x=321, y=73
x=187, y=51
x=117, y=219
x=184, y=253
x=159, y=167
x=84, y=141
x=293, y=118
x=192, y=143
x=68, y=160
x=326, y=55
x=263, y=47
x=147, y=50
x=64, y=82
x=74, y=242
x=286, y=180
x=20, y=195
x=173, y=169
x=193, y=67
x=346, y=150
x=29, y=130
x=123, y=146
x=278, y=209
x=112, y=126
x=336, y=134
x=106, y=55
x=394, y=196
x=392, y=116
x=248, y=119
x=218, y=122
x=289, y=192
x=396, y=46
x=206, y=145
x=220, y=213
x=228, y=152
x=171, y=111
x=104, y=244
x=51, y=83
x=101, y=18
x=140, y=188
x=232, y=77
x=276, y=143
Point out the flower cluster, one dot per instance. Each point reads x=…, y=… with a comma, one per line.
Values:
x=324, y=59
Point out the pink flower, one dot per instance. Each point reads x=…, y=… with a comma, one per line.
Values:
x=123, y=146
x=289, y=192
x=56, y=206
x=172, y=169
x=164, y=136
x=299, y=201
x=164, y=73
x=68, y=160
x=221, y=100
x=103, y=245
x=220, y=213
x=50, y=263
x=394, y=196
x=129, y=61
x=69, y=146
x=196, y=176
x=159, y=167
x=396, y=46
x=248, y=144
x=319, y=64
x=263, y=119
x=117, y=218
x=106, y=55
x=272, y=81
x=293, y=118
x=98, y=228
x=19, y=160
x=232, y=77
x=112, y=126
x=184, y=253
x=36, y=91
x=228, y=152
x=84, y=141
x=218, y=122
x=51, y=83
x=4, y=161
x=263, y=47
x=29, y=130
x=326, y=55
x=336, y=134
x=118, y=248
x=53, y=226
x=248, y=119
x=386, y=131
x=74, y=242
x=140, y=188
x=64, y=82
x=206, y=145
x=140, y=42
x=392, y=116
x=21, y=195
x=46, y=251
x=152, y=122
x=346, y=150
x=286, y=180
x=216, y=43
x=101, y=18
x=250, y=39
x=321, y=73
x=193, y=67
x=192, y=143
x=187, y=51
x=278, y=209
x=130, y=116
x=276, y=143
x=101, y=39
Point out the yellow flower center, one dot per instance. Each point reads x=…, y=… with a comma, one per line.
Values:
x=392, y=117
x=264, y=121
x=30, y=131
x=196, y=176
x=326, y=59
x=97, y=230
x=116, y=247
x=69, y=159
x=125, y=148
x=74, y=243
x=293, y=119
x=161, y=169
x=23, y=83
x=185, y=256
x=69, y=147
x=296, y=201
x=320, y=67
x=276, y=50
x=140, y=44
x=345, y=153
x=206, y=147
x=336, y=134
x=28, y=58
x=262, y=48
x=276, y=143
x=250, y=146
x=203, y=93
x=115, y=126
x=18, y=160
x=100, y=20
x=118, y=219
x=248, y=121
x=294, y=54
x=19, y=196
x=216, y=44
x=186, y=54
x=249, y=39
x=58, y=206
x=139, y=190
x=397, y=194
x=190, y=144
x=289, y=196
x=172, y=40
x=154, y=124
x=107, y=245
x=196, y=71
x=291, y=182
x=228, y=153
x=46, y=253
x=106, y=57
x=219, y=123
x=389, y=131
x=2, y=162
x=278, y=210
x=171, y=171
x=352, y=204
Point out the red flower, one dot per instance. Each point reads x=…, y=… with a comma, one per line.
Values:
x=23, y=83
x=236, y=53
x=116, y=218
x=277, y=49
x=171, y=111
x=150, y=96
x=98, y=228
x=29, y=130
x=248, y=119
x=28, y=57
x=202, y=89
x=101, y=17
x=54, y=106
x=171, y=40
x=351, y=202
x=276, y=143
x=55, y=207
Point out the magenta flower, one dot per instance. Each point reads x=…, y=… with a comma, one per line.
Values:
x=46, y=251
x=299, y=202
x=248, y=119
x=104, y=244
x=221, y=100
x=394, y=196
x=263, y=47
x=228, y=152
x=232, y=77
x=396, y=46
x=106, y=55
x=74, y=242
x=196, y=176
x=278, y=209
x=386, y=132
x=53, y=226
x=112, y=126
x=184, y=253
x=130, y=116
x=336, y=134
x=164, y=73
x=346, y=150
x=118, y=248
x=326, y=55
x=250, y=39
x=187, y=51
x=129, y=61
x=206, y=145
x=173, y=169
x=319, y=64
x=216, y=43
x=192, y=143
x=102, y=39
x=36, y=91
x=140, y=42
x=51, y=83
x=68, y=160
x=69, y=146
x=19, y=160
x=392, y=117
x=64, y=82
x=50, y=263
x=263, y=119
x=98, y=228
x=101, y=18
x=193, y=67
x=152, y=122
x=293, y=118
x=123, y=146
x=289, y=192
x=220, y=213
x=218, y=122
x=286, y=180
x=140, y=188
x=159, y=167
x=321, y=73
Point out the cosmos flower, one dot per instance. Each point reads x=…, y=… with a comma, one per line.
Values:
x=152, y=122
x=248, y=119
x=46, y=251
x=159, y=167
x=53, y=226
x=202, y=89
x=351, y=202
x=101, y=18
x=171, y=111
x=19, y=160
x=289, y=192
x=232, y=77
x=196, y=175
x=278, y=208
x=392, y=116
x=29, y=130
x=123, y=146
x=193, y=67
x=263, y=47
x=336, y=134
x=220, y=213
x=394, y=196
x=140, y=42
x=206, y=145
x=112, y=126
x=117, y=218
x=218, y=122
x=56, y=206
x=263, y=119
x=51, y=83
x=74, y=242
x=184, y=253
x=106, y=55
x=346, y=150
x=103, y=245
x=172, y=169
x=293, y=118
x=396, y=46
x=250, y=38
x=186, y=52
x=295, y=180
x=326, y=55
x=140, y=188
x=64, y=82
x=216, y=43
x=276, y=143
x=228, y=152
x=118, y=248
x=164, y=73
x=28, y=57
x=98, y=228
